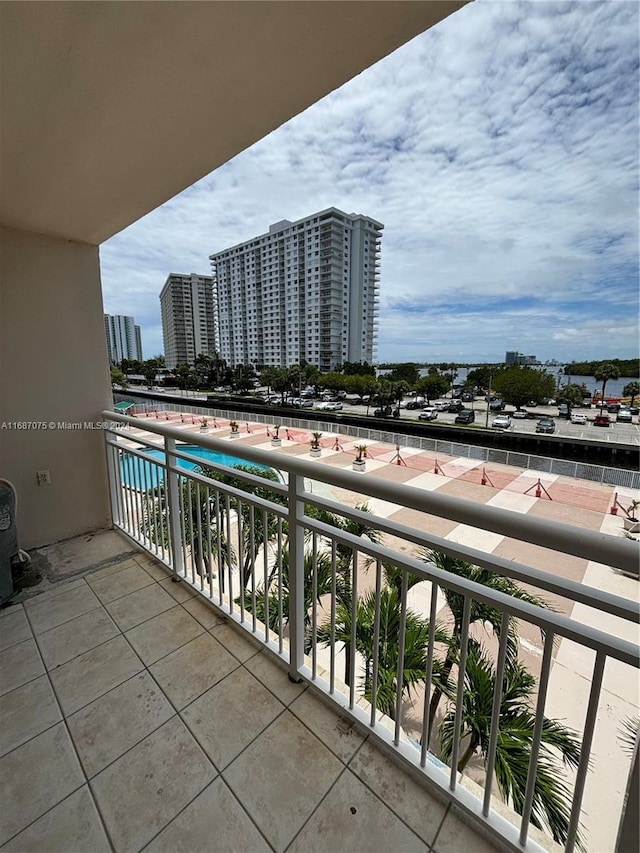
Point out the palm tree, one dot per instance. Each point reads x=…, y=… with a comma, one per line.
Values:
x=255, y=533
x=344, y=563
x=203, y=530
x=479, y=612
x=551, y=797
x=604, y=372
x=631, y=389
x=322, y=566
x=416, y=637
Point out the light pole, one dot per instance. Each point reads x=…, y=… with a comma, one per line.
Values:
x=486, y=420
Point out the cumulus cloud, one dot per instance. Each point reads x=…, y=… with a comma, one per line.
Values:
x=500, y=150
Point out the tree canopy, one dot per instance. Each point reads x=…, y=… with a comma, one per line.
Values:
x=520, y=385
x=571, y=395
x=627, y=366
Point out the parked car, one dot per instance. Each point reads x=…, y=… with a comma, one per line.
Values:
x=467, y=397
x=413, y=404
x=455, y=406
x=496, y=405
x=624, y=416
x=577, y=418
x=520, y=413
x=634, y=410
x=384, y=412
x=442, y=405
x=613, y=408
x=466, y=416
x=546, y=425
x=429, y=414
x=502, y=422
x=563, y=410
x=332, y=406
x=602, y=420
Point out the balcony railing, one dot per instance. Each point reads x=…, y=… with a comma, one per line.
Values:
x=353, y=602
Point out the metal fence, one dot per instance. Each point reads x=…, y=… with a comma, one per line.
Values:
x=548, y=465
x=317, y=582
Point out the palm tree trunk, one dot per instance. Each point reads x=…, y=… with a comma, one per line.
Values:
x=437, y=692
x=468, y=753
x=347, y=664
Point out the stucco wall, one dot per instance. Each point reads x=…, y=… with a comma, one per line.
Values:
x=53, y=368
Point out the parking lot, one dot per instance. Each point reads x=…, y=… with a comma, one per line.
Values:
x=627, y=433
x=624, y=433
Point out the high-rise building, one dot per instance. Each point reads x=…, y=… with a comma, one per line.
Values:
x=188, y=328
x=306, y=290
x=123, y=338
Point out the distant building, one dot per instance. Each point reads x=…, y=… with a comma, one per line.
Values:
x=188, y=328
x=138, y=335
x=511, y=357
x=306, y=290
x=123, y=338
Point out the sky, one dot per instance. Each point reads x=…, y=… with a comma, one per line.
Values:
x=499, y=149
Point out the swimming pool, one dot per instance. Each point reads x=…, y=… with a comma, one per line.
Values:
x=141, y=474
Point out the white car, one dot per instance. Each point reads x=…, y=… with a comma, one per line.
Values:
x=429, y=414
x=578, y=419
x=502, y=422
x=441, y=405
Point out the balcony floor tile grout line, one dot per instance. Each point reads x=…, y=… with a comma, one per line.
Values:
x=78, y=759
x=344, y=770
x=12, y=646
x=441, y=824
x=66, y=621
x=220, y=777
x=130, y=592
x=425, y=787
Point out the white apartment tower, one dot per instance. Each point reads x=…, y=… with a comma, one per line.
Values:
x=188, y=330
x=306, y=290
x=123, y=338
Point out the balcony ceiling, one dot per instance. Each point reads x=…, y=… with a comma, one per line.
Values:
x=109, y=109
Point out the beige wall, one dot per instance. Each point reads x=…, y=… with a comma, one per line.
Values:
x=53, y=367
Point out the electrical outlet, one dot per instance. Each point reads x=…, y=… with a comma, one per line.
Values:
x=44, y=478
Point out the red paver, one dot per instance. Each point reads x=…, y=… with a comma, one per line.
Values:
x=469, y=491
x=498, y=479
x=597, y=498
x=568, y=495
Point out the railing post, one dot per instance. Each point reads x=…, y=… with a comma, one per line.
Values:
x=296, y=577
x=114, y=482
x=173, y=501
x=628, y=840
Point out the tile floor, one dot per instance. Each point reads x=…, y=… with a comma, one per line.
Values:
x=134, y=718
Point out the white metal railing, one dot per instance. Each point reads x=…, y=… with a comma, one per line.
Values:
x=288, y=564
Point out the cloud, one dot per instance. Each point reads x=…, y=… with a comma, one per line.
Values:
x=500, y=150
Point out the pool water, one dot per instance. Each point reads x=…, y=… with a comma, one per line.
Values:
x=141, y=474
